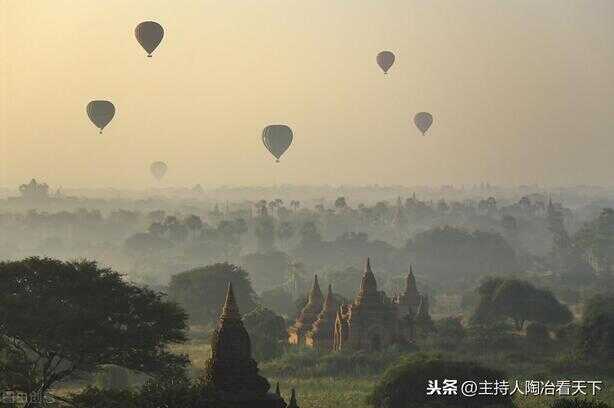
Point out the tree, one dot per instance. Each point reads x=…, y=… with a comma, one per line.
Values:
x=450, y=332
x=597, y=328
x=279, y=300
x=405, y=385
x=193, y=223
x=285, y=232
x=267, y=332
x=265, y=234
x=341, y=203
x=156, y=229
x=442, y=206
x=310, y=234
x=230, y=234
x=484, y=313
x=201, y=291
x=266, y=270
x=62, y=318
x=177, y=232
x=597, y=240
x=520, y=301
x=509, y=223
x=457, y=254
x=295, y=204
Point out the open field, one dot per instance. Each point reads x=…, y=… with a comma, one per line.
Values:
x=350, y=392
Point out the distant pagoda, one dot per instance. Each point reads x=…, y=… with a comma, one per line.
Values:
x=409, y=300
x=371, y=322
x=323, y=331
x=298, y=332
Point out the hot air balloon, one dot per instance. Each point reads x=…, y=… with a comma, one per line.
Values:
x=385, y=59
x=149, y=34
x=423, y=121
x=100, y=113
x=277, y=139
x=158, y=169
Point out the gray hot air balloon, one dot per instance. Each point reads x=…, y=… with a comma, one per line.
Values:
x=277, y=139
x=158, y=169
x=423, y=121
x=100, y=113
x=385, y=59
x=149, y=34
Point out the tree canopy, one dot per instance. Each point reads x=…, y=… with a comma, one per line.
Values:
x=405, y=385
x=267, y=332
x=61, y=318
x=520, y=301
x=455, y=253
x=597, y=328
x=201, y=291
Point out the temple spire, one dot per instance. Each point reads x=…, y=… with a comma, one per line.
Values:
x=329, y=301
x=316, y=293
x=230, y=310
x=368, y=286
x=231, y=372
x=411, y=280
x=411, y=289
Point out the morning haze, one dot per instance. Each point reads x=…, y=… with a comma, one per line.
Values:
x=521, y=91
x=438, y=232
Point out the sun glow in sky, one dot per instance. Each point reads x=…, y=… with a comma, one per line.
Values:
x=521, y=90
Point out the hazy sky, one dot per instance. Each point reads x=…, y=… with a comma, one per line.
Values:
x=522, y=91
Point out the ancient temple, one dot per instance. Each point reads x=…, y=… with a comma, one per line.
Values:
x=231, y=372
x=409, y=300
x=297, y=334
x=321, y=335
x=422, y=318
x=371, y=322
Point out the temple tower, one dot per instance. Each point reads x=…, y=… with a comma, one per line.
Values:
x=367, y=294
x=409, y=300
x=231, y=372
x=298, y=332
x=371, y=322
x=321, y=336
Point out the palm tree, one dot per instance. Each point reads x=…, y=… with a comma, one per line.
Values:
x=295, y=282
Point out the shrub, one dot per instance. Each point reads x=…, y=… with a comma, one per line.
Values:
x=267, y=331
x=405, y=385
